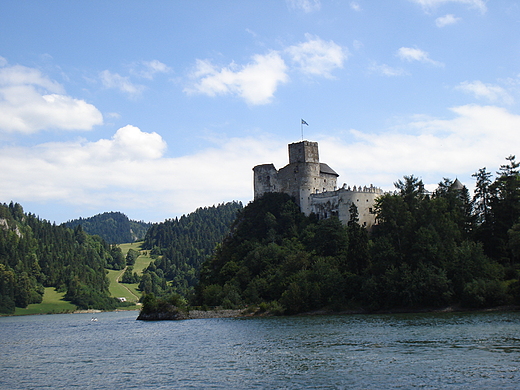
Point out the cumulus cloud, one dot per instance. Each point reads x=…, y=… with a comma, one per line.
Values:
x=490, y=92
x=318, y=57
x=433, y=148
x=30, y=102
x=130, y=172
x=428, y=5
x=446, y=20
x=414, y=54
x=255, y=82
x=306, y=6
x=116, y=81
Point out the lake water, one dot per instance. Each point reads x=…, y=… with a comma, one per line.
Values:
x=429, y=351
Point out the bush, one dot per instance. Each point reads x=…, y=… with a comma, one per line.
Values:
x=484, y=293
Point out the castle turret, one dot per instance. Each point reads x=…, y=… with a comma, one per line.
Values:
x=265, y=179
x=302, y=177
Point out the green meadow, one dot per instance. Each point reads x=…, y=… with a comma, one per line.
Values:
x=53, y=302
x=128, y=291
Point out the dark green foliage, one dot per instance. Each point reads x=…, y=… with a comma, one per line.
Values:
x=113, y=227
x=278, y=256
x=117, y=260
x=35, y=253
x=129, y=276
x=497, y=206
x=132, y=256
x=181, y=245
x=172, y=303
x=426, y=251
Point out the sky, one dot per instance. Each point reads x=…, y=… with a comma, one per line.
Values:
x=157, y=108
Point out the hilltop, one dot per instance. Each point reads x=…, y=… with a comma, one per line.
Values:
x=113, y=227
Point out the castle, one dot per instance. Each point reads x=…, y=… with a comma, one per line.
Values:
x=313, y=185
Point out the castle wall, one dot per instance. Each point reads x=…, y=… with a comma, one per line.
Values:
x=338, y=203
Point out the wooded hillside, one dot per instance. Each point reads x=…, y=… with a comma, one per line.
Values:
x=113, y=227
x=428, y=250
x=181, y=245
x=35, y=254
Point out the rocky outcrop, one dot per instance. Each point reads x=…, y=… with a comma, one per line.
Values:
x=162, y=316
x=173, y=315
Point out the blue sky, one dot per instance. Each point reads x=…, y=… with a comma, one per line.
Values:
x=156, y=108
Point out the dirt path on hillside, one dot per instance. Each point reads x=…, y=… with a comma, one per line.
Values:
x=127, y=289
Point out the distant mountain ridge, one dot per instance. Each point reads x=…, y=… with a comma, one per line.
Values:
x=114, y=227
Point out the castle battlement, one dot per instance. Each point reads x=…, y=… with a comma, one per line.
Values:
x=313, y=185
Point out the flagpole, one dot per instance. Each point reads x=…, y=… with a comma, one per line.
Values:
x=302, y=122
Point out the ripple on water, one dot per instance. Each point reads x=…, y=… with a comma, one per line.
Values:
x=468, y=350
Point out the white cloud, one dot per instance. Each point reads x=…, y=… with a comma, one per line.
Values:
x=255, y=82
x=355, y=6
x=318, y=57
x=129, y=172
x=30, y=102
x=476, y=137
x=414, y=54
x=432, y=4
x=446, y=20
x=492, y=93
x=386, y=70
x=148, y=69
x=306, y=6
x=123, y=84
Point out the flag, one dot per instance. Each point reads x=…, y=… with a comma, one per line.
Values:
x=304, y=123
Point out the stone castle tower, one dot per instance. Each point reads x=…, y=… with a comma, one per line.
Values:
x=313, y=186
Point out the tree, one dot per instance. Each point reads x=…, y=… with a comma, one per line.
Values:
x=132, y=256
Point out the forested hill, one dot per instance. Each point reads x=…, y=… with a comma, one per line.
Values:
x=113, y=227
x=181, y=245
x=428, y=250
x=35, y=254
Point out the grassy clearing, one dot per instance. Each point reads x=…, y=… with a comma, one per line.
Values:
x=52, y=303
x=118, y=290
x=142, y=261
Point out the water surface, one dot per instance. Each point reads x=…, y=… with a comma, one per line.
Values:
x=429, y=351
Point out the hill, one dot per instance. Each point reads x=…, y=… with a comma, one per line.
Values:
x=113, y=227
x=181, y=245
x=428, y=250
x=35, y=254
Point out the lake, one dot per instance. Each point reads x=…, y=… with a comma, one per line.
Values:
x=399, y=351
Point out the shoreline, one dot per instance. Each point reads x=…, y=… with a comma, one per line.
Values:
x=239, y=313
